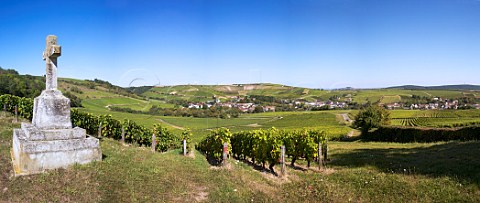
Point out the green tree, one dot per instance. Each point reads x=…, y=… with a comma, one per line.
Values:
x=258, y=109
x=371, y=117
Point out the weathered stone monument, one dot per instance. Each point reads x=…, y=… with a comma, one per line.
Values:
x=50, y=142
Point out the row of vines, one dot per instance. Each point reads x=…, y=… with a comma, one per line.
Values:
x=415, y=134
x=24, y=105
x=416, y=121
x=264, y=146
x=435, y=122
x=110, y=127
x=437, y=118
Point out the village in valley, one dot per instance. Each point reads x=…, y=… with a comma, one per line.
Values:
x=239, y=103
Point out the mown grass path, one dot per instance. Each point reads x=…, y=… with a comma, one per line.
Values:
x=173, y=126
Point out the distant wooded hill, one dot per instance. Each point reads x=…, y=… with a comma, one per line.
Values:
x=31, y=86
x=20, y=85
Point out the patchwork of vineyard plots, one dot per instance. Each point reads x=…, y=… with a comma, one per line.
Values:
x=435, y=118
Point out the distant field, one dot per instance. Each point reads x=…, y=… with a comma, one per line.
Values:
x=208, y=123
x=390, y=99
x=327, y=121
x=124, y=102
x=317, y=120
x=363, y=96
x=436, y=113
x=393, y=95
x=267, y=120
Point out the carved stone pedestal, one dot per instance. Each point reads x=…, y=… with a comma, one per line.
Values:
x=35, y=151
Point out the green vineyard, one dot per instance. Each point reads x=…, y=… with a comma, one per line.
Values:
x=263, y=146
x=436, y=118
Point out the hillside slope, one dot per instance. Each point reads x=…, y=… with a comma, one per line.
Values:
x=207, y=92
x=224, y=92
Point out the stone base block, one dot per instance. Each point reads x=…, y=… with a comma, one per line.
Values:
x=36, y=156
x=34, y=134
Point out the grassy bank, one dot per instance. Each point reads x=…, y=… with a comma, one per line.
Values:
x=359, y=172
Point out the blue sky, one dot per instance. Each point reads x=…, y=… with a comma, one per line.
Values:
x=308, y=43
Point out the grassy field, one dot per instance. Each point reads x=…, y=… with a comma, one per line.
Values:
x=390, y=99
x=326, y=121
x=357, y=171
x=123, y=102
x=265, y=120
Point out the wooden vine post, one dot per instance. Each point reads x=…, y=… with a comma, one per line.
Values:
x=325, y=152
x=16, y=113
x=123, y=135
x=282, y=160
x=4, y=110
x=225, y=154
x=184, y=147
x=100, y=130
x=154, y=142
x=320, y=161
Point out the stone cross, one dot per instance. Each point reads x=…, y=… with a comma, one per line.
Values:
x=50, y=55
x=50, y=142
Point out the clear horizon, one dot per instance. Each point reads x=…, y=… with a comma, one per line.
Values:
x=325, y=44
